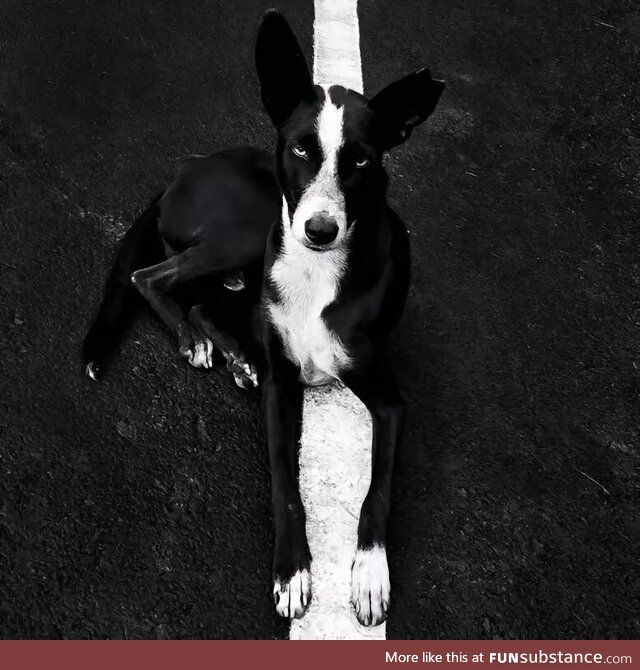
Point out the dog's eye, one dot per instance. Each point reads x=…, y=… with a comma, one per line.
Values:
x=362, y=163
x=299, y=151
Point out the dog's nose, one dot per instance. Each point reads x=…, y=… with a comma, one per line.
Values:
x=321, y=229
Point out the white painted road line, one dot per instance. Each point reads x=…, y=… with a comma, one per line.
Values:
x=335, y=450
x=336, y=44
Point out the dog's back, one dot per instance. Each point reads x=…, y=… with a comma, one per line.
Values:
x=225, y=202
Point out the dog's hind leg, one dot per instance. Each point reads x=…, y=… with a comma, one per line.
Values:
x=155, y=283
x=244, y=373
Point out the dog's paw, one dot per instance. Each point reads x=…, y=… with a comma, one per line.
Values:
x=370, y=588
x=292, y=597
x=195, y=347
x=201, y=354
x=245, y=374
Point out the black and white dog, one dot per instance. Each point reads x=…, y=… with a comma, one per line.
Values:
x=310, y=237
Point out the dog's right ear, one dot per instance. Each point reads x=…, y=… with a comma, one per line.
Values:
x=284, y=76
x=403, y=105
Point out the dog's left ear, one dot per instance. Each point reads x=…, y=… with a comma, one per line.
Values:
x=282, y=69
x=403, y=105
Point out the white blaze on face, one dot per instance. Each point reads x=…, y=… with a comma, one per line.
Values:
x=324, y=194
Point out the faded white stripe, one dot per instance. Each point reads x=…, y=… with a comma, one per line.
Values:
x=335, y=453
x=336, y=44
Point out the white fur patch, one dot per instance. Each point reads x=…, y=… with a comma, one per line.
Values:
x=307, y=282
x=293, y=597
x=324, y=194
x=329, y=127
x=370, y=588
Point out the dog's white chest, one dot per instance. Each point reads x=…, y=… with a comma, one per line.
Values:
x=307, y=282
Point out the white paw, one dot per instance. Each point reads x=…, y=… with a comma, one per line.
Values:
x=244, y=374
x=293, y=597
x=201, y=356
x=370, y=588
x=247, y=378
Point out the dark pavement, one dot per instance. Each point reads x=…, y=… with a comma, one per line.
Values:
x=139, y=506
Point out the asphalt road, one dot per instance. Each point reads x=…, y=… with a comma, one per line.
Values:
x=139, y=506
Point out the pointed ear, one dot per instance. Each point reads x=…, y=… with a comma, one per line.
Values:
x=284, y=76
x=403, y=105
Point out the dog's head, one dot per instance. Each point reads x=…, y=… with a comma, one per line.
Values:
x=331, y=140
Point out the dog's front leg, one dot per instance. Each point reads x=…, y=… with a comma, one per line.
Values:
x=373, y=382
x=282, y=403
